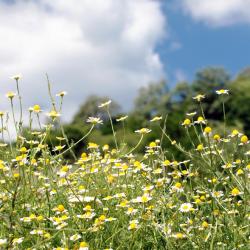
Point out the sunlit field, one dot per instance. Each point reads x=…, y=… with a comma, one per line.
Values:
x=115, y=197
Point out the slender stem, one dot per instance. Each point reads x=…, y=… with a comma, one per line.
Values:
x=8, y=132
x=202, y=112
x=20, y=105
x=30, y=121
x=111, y=122
x=190, y=139
x=68, y=149
x=50, y=94
x=136, y=146
x=13, y=115
x=224, y=115
x=11, y=219
x=2, y=128
x=38, y=119
x=210, y=150
x=63, y=132
x=67, y=141
x=164, y=128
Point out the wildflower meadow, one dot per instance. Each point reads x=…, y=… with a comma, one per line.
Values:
x=115, y=196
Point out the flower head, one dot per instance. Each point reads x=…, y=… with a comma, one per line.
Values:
x=94, y=120
x=191, y=114
x=200, y=120
x=216, y=137
x=75, y=237
x=53, y=114
x=16, y=77
x=186, y=207
x=207, y=130
x=186, y=122
x=10, y=95
x=105, y=104
x=143, y=131
x=84, y=245
x=222, y=92
x=133, y=224
x=61, y=94
x=122, y=118
x=199, y=97
x=200, y=147
x=244, y=139
x=235, y=192
x=156, y=118
x=3, y=242
x=36, y=108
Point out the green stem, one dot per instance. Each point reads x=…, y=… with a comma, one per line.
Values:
x=13, y=115
x=76, y=143
x=136, y=146
x=20, y=106
x=63, y=132
x=2, y=128
x=224, y=116
x=113, y=131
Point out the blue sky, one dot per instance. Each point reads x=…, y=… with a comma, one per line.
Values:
x=200, y=45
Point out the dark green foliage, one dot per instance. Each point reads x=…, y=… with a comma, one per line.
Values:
x=90, y=108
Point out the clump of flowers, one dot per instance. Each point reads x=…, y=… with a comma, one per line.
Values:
x=114, y=198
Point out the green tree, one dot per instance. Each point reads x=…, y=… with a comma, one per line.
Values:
x=207, y=81
x=90, y=108
x=152, y=100
x=239, y=102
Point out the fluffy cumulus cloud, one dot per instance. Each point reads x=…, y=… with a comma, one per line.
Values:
x=218, y=12
x=88, y=46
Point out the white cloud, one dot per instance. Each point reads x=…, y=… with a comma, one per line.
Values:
x=88, y=46
x=218, y=12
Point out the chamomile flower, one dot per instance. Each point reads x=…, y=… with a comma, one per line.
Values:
x=122, y=118
x=61, y=94
x=94, y=120
x=53, y=114
x=59, y=147
x=186, y=207
x=3, y=242
x=105, y=104
x=10, y=95
x=200, y=147
x=191, y=114
x=217, y=194
x=84, y=246
x=222, y=92
x=16, y=77
x=143, y=131
x=75, y=237
x=199, y=97
x=133, y=225
x=244, y=139
x=200, y=120
x=17, y=241
x=178, y=235
x=156, y=118
x=207, y=131
x=36, y=109
x=235, y=192
x=186, y=123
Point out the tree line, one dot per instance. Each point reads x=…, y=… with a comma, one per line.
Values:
x=173, y=104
